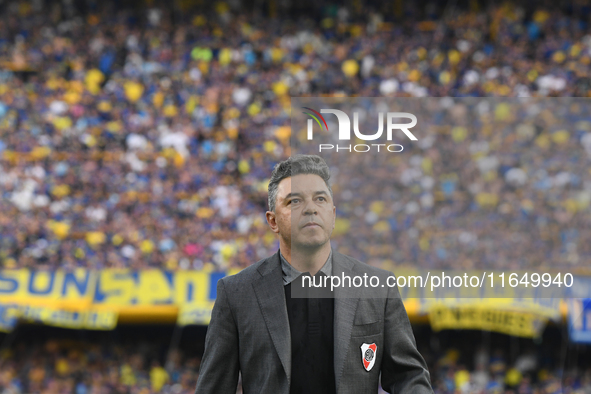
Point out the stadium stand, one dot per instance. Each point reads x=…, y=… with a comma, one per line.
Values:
x=144, y=138
x=139, y=359
x=148, y=144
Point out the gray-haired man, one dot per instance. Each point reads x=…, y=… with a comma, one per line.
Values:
x=284, y=344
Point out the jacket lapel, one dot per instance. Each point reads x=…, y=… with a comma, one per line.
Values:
x=345, y=306
x=271, y=297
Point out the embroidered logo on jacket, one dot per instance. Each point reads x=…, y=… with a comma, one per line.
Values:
x=368, y=355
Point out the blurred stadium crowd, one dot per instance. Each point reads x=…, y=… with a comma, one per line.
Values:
x=491, y=183
x=66, y=366
x=69, y=366
x=146, y=139
x=127, y=140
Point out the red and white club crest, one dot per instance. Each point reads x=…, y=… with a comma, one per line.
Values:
x=368, y=355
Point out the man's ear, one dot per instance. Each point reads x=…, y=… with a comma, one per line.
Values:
x=334, y=216
x=272, y=221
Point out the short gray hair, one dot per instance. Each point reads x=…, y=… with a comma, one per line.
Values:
x=297, y=165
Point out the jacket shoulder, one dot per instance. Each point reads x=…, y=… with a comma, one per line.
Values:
x=247, y=275
x=360, y=266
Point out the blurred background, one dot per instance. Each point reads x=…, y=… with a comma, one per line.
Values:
x=137, y=139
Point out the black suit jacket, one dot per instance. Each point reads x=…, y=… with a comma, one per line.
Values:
x=249, y=332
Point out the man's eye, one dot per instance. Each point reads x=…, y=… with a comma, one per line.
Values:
x=295, y=200
x=322, y=198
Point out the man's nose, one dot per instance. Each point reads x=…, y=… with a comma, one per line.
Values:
x=310, y=208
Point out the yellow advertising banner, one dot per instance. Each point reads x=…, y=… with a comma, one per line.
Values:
x=99, y=299
x=81, y=289
x=88, y=319
x=95, y=299
x=510, y=322
x=195, y=314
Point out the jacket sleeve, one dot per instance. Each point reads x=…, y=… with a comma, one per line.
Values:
x=220, y=362
x=403, y=368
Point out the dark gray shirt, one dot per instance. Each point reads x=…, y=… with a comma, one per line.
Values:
x=290, y=273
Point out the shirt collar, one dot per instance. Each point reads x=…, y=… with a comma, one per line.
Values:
x=290, y=273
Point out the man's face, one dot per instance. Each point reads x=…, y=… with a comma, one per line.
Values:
x=304, y=212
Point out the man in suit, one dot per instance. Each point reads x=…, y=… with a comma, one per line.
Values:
x=340, y=343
